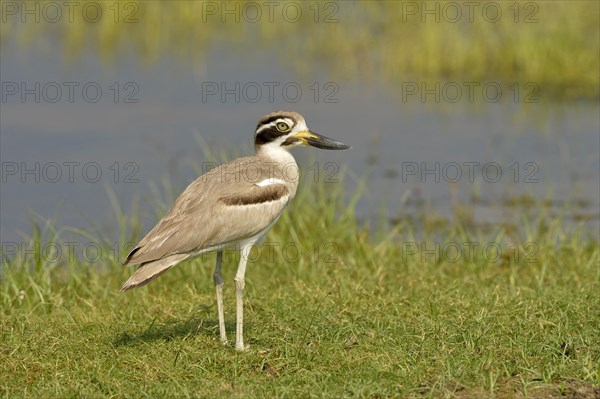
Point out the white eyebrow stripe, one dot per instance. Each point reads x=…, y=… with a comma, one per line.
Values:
x=268, y=182
x=263, y=127
x=275, y=122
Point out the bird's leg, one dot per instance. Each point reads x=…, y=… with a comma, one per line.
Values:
x=239, y=291
x=219, y=288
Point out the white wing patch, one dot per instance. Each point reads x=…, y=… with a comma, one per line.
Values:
x=268, y=182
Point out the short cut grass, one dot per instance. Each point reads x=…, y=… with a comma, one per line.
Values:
x=333, y=309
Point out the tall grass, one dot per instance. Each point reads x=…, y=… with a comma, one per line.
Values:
x=553, y=45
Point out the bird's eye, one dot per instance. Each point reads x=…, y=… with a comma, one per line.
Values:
x=282, y=126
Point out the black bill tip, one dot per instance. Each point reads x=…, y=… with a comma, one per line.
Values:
x=325, y=143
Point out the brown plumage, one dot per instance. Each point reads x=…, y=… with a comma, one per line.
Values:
x=207, y=214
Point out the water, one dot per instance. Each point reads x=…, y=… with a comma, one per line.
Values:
x=410, y=152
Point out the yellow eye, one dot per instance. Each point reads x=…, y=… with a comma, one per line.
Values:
x=282, y=126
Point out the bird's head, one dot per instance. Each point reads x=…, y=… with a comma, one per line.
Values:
x=286, y=129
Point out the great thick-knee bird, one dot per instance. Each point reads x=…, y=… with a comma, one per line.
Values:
x=231, y=206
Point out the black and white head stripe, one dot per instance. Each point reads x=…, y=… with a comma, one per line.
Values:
x=269, y=129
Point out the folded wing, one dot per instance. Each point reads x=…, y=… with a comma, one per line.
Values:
x=219, y=207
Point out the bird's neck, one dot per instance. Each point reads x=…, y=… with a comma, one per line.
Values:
x=275, y=153
x=286, y=169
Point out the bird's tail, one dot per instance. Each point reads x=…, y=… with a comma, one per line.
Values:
x=150, y=270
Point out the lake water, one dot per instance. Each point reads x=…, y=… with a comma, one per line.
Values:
x=125, y=126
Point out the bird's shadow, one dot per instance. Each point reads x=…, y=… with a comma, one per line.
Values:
x=172, y=329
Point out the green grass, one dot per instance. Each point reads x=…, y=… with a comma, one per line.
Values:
x=364, y=318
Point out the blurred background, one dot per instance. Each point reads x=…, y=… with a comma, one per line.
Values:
x=473, y=110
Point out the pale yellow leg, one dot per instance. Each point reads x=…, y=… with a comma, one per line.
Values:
x=219, y=288
x=239, y=291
